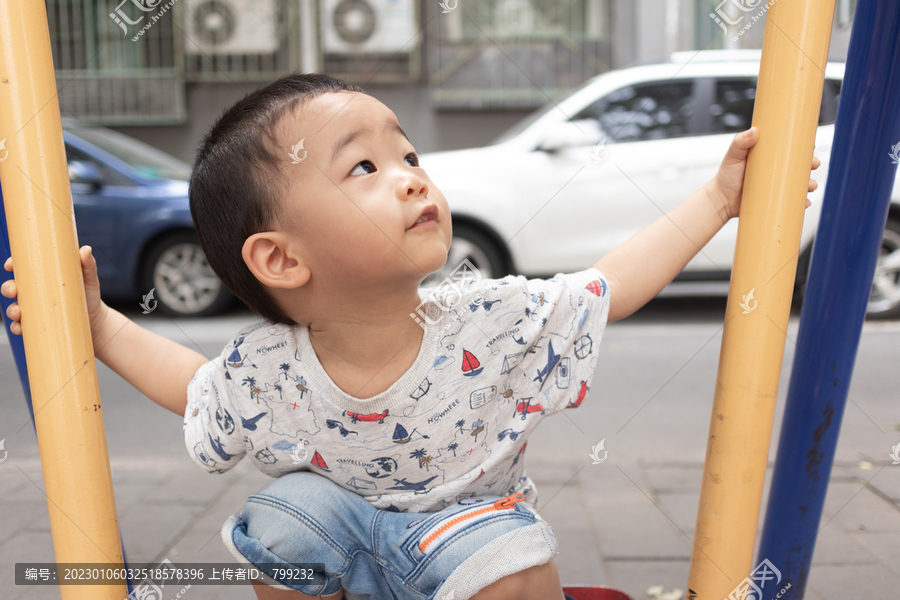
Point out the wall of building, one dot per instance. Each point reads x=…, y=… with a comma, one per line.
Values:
x=429, y=131
x=648, y=30
x=645, y=30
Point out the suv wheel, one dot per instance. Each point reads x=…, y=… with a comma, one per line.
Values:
x=884, y=301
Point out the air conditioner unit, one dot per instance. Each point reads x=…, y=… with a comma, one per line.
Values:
x=369, y=26
x=230, y=27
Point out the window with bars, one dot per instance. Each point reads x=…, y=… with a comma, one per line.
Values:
x=127, y=62
x=102, y=75
x=507, y=54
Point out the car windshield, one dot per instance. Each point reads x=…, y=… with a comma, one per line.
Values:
x=150, y=162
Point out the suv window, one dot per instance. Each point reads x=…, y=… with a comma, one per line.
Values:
x=732, y=107
x=649, y=111
x=731, y=110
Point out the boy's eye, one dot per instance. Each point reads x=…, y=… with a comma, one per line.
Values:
x=368, y=168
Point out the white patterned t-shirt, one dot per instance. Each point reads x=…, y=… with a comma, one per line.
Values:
x=509, y=353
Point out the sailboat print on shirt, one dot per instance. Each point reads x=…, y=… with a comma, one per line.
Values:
x=470, y=365
x=400, y=435
x=596, y=287
x=318, y=461
x=235, y=359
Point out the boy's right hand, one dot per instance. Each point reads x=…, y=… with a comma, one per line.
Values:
x=97, y=309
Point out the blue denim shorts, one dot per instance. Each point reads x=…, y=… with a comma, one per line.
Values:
x=303, y=517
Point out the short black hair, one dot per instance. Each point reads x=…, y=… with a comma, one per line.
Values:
x=232, y=192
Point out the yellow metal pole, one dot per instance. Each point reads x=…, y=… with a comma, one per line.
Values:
x=786, y=112
x=55, y=327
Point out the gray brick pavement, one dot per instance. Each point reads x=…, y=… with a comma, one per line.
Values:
x=611, y=530
x=626, y=523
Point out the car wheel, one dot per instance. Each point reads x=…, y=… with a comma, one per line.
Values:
x=184, y=283
x=473, y=245
x=884, y=300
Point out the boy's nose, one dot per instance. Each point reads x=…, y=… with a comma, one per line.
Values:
x=414, y=186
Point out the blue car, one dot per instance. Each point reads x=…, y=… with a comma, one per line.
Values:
x=131, y=207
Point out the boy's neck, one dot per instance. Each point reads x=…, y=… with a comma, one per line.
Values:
x=367, y=345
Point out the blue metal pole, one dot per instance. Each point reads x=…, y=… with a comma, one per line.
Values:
x=15, y=341
x=854, y=212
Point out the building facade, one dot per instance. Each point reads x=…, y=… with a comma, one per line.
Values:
x=456, y=72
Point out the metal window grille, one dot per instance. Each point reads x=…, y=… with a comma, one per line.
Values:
x=127, y=61
x=105, y=77
x=124, y=62
x=514, y=54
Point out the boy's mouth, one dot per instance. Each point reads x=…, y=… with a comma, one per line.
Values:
x=429, y=215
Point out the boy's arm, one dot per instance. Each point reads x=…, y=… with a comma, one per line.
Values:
x=647, y=262
x=640, y=268
x=158, y=367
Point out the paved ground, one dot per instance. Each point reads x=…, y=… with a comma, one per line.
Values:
x=626, y=523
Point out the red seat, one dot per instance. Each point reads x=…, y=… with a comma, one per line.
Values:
x=594, y=592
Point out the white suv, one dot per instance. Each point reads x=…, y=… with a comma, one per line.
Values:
x=580, y=176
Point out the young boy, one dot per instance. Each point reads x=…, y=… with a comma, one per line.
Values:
x=396, y=441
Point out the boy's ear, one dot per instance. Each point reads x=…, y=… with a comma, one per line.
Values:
x=273, y=261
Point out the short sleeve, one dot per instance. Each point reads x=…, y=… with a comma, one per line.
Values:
x=212, y=432
x=563, y=320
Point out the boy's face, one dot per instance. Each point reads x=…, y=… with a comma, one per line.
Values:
x=355, y=197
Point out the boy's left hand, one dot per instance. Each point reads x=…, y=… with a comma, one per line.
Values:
x=728, y=183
